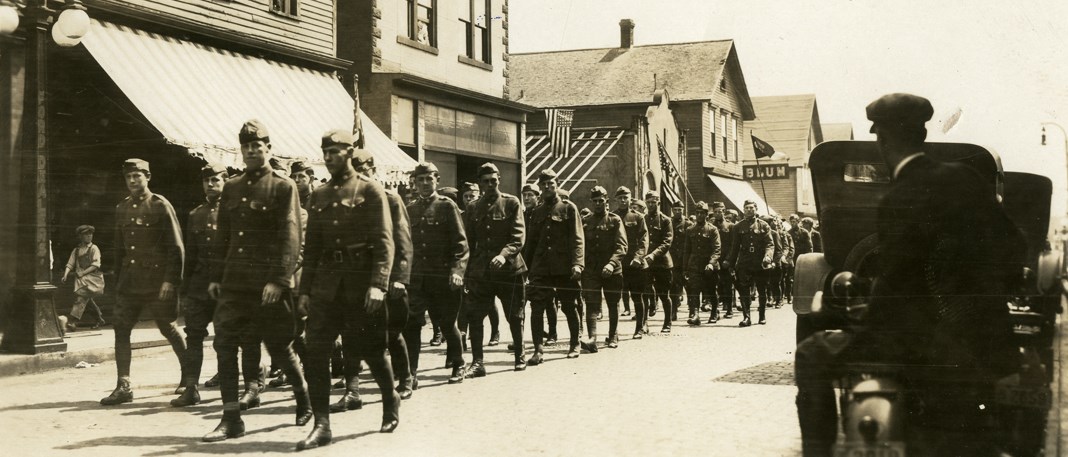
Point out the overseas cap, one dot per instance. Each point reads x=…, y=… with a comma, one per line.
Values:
x=84, y=229
x=747, y=203
x=253, y=130
x=718, y=205
x=361, y=157
x=131, y=165
x=598, y=191
x=211, y=169
x=546, y=175
x=652, y=194
x=678, y=204
x=487, y=168
x=622, y=190
x=300, y=166
x=900, y=109
x=563, y=193
x=424, y=168
x=532, y=188
x=450, y=192
x=338, y=137
x=701, y=206
x=468, y=187
x=641, y=203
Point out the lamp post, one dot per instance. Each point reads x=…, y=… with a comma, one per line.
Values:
x=1062, y=231
x=32, y=326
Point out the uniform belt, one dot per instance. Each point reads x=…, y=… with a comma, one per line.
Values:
x=336, y=256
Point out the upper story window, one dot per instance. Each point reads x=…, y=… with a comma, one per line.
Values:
x=286, y=7
x=477, y=22
x=723, y=134
x=422, y=21
x=734, y=136
x=712, y=128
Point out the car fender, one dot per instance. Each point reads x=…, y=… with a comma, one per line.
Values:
x=810, y=274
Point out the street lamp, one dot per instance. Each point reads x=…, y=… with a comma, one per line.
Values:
x=1064, y=135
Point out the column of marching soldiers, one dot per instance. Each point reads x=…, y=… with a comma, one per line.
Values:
x=266, y=259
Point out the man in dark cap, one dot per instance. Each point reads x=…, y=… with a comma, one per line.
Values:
x=752, y=254
x=531, y=199
x=555, y=249
x=258, y=241
x=948, y=257
x=679, y=224
x=348, y=262
x=441, y=254
x=725, y=276
x=633, y=266
x=606, y=244
x=84, y=263
x=151, y=252
x=658, y=258
x=304, y=176
x=817, y=239
x=495, y=229
x=703, y=248
x=199, y=308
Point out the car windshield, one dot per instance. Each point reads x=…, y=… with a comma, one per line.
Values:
x=866, y=172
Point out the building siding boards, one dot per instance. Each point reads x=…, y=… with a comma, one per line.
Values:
x=312, y=31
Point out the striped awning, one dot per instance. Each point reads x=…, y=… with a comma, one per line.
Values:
x=198, y=97
x=588, y=149
x=738, y=191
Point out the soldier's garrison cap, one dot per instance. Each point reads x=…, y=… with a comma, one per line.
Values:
x=701, y=206
x=423, y=168
x=546, y=175
x=622, y=190
x=652, y=194
x=598, y=191
x=638, y=202
x=468, y=187
x=253, y=130
x=718, y=205
x=211, y=169
x=131, y=165
x=338, y=137
x=487, y=169
x=678, y=204
x=532, y=188
x=362, y=157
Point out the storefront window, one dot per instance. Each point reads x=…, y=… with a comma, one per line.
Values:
x=404, y=121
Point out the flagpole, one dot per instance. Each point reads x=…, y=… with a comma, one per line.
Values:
x=760, y=174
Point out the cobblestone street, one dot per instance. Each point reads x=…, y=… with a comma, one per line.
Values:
x=713, y=390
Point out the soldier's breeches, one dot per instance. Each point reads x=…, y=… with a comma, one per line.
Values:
x=659, y=288
x=678, y=285
x=748, y=280
x=635, y=280
x=198, y=314
x=542, y=291
x=700, y=285
x=398, y=348
x=444, y=305
x=788, y=282
x=594, y=286
x=725, y=289
x=482, y=303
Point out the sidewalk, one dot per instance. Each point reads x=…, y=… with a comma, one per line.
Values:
x=1056, y=439
x=92, y=346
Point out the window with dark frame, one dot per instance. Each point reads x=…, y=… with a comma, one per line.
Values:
x=286, y=7
x=712, y=128
x=477, y=26
x=422, y=21
x=734, y=134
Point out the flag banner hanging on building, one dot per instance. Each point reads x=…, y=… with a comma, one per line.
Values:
x=559, y=121
x=762, y=148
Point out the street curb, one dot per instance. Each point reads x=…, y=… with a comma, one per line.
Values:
x=14, y=365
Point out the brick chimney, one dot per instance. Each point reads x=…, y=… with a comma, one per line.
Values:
x=626, y=33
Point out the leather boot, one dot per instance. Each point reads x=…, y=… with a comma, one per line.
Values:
x=213, y=382
x=351, y=400
x=229, y=427
x=405, y=389
x=122, y=394
x=250, y=398
x=520, y=362
x=319, y=436
x=762, y=321
x=304, y=409
x=477, y=369
x=280, y=381
x=495, y=338
x=390, y=413
x=190, y=397
x=745, y=315
x=458, y=374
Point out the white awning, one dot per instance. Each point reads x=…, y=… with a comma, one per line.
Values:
x=738, y=191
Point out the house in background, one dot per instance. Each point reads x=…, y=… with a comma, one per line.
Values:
x=434, y=74
x=837, y=131
x=611, y=89
x=791, y=124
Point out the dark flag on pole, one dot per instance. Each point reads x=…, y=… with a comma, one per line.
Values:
x=559, y=121
x=762, y=148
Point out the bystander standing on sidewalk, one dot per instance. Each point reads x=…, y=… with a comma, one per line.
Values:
x=84, y=263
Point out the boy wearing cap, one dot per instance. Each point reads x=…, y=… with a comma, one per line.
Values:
x=637, y=244
x=555, y=249
x=84, y=262
x=658, y=258
x=606, y=244
x=258, y=242
x=495, y=229
x=151, y=252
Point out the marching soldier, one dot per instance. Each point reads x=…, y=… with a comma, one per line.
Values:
x=633, y=268
x=304, y=176
x=771, y=283
x=555, y=250
x=785, y=264
x=817, y=239
x=659, y=258
x=495, y=230
x=703, y=249
x=441, y=253
x=348, y=257
x=258, y=241
x=641, y=272
x=531, y=196
x=150, y=247
x=679, y=224
x=199, y=307
x=751, y=254
x=606, y=244
x=725, y=275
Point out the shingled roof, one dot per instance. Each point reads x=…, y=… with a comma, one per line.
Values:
x=607, y=76
x=786, y=122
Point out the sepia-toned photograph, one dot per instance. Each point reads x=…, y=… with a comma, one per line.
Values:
x=815, y=228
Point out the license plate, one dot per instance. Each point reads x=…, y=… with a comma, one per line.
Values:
x=1025, y=397
x=893, y=449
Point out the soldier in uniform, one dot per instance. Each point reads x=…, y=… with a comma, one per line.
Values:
x=770, y=285
x=199, y=307
x=679, y=224
x=440, y=247
x=150, y=247
x=495, y=230
x=785, y=265
x=637, y=244
x=725, y=275
x=751, y=255
x=531, y=196
x=304, y=176
x=817, y=239
x=658, y=258
x=258, y=241
x=703, y=249
x=606, y=244
x=555, y=249
x=349, y=259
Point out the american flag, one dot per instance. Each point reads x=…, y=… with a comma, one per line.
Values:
x=560, y=131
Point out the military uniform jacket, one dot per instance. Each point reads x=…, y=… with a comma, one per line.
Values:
x=776, y=241
x=703, y=246
x=402, y=239
x=726, y=237
x=637, y=235
x=660, y=239
x=438, y=239
x=149, y=244
x=606, y=242
x=350, y=239
x=678, y=244
x=555, y=242
x=259, y=231
x=802, y=241
x=200, y=248
x=817, y=240
x=495, y=226
x=787, y=247
x=752, y=245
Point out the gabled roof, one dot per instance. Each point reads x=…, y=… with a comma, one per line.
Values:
x=837, y=131
x=786, y=122
x=608, y=76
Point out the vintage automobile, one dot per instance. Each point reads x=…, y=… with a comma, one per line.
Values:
x=830, y=291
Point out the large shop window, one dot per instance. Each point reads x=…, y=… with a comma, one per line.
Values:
x=404, y=122
x=452, y=130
